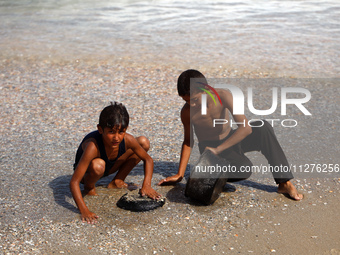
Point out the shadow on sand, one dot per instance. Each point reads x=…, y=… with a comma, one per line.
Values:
x=62, y=193
x=176, y=194
x=259, y=186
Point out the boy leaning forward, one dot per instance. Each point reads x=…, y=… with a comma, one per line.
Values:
x=105, y=151
x=223, y=140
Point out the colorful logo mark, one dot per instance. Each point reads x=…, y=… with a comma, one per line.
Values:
x=209, y=93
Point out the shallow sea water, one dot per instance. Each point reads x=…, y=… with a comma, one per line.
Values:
x=303, y=36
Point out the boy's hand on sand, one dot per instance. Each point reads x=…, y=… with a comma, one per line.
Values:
x=89, y=217
x=170, y=180
x=150, y=192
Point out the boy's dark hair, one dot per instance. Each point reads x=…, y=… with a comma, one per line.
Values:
x=114, y=115
x=183, y=82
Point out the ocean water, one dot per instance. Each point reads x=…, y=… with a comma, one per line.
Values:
x=273, y=34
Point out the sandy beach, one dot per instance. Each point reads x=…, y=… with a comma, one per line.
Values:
x=48, y=107
x=61, y=64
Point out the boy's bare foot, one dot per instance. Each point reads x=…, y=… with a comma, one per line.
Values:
x=90, y=192
x=289, y=189
x=119, y=184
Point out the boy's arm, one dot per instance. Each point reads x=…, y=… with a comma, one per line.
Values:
x=90, y=153
x=146, y=189
x=186, y=148
x=241, y=132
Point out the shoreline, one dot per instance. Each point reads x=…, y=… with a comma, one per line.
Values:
x=231, y=68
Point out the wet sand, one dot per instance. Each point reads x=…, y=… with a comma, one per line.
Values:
x=48, y=106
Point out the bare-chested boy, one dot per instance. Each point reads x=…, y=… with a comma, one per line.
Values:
x=105, y=151
x=222, y=139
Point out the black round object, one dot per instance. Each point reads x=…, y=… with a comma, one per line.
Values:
x=133, y=201
x=206, y=187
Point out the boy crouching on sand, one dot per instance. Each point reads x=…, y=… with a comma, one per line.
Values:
x=106, y=150
x=223, y=140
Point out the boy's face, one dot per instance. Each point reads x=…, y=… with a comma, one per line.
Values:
x=193, y=100
x=112, y=136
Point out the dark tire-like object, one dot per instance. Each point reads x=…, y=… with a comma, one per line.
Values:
x=206, y=187
x=133, y=201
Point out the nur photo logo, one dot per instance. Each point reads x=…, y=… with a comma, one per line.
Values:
x=296, y=97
